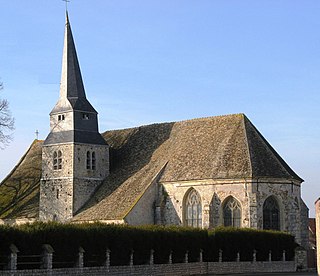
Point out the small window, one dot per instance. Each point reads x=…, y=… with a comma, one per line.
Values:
x=88, y=160
x=85, y=116
x=91, y=160
x=57, y=160
x=61, y=117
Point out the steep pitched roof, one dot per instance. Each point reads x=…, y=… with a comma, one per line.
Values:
x=223, y=147
x=20, y=189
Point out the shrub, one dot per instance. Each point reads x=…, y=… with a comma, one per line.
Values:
x=95, y=238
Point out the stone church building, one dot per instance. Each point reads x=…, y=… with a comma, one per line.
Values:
x=201, y=173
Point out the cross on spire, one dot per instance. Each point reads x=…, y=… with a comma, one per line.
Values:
x=37, y=134
x=67, y=1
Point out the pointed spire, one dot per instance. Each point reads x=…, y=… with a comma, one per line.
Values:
x=67, y=17
x=71, y=85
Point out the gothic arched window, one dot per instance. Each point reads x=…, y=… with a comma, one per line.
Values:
x=232, y=213
x=57, y=160
x=271, y=214
x=193, y=209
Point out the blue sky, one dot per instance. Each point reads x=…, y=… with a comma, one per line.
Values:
x=148, y=61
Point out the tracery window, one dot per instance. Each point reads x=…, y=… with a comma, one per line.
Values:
x=193, y=209
x=91, y=160
x=57, y=160
x=271, y=214
x=232, y=213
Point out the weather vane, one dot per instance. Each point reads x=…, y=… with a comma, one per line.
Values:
x=67, y=1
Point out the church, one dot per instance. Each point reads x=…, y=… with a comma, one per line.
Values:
x=202, y=172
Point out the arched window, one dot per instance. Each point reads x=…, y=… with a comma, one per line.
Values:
x=271, y=214
x=193, y=209
x=232, y=213
x=57, y=160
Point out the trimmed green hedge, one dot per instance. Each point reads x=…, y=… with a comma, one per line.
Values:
x=121, y=239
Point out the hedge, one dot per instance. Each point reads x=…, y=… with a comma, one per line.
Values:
x=121, y=239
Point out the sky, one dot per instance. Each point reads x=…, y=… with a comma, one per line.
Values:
x=148, y=61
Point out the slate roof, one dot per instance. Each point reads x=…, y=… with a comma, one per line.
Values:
x=76, y=136
x=71, y=85
x=222, y=147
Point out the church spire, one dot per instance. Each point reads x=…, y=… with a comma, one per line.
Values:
x=71, y=85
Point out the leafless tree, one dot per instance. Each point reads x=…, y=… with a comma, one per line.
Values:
x=6, y=121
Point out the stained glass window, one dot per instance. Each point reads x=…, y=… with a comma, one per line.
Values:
x=232, y=213
x=271, y=214
x=193, y=209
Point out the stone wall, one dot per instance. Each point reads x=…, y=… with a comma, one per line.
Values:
x=143, y=212
x=64, y=191
x=12, y=222
x=304, y=225
x=199, y=268
x=250, y=194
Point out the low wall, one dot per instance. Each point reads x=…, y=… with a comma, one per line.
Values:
x=12, y=222
x=164, y=269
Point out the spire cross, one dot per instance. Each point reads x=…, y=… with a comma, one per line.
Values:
x=67, y=1
x=37, y=134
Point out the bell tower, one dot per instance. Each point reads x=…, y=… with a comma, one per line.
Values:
x=75, y=157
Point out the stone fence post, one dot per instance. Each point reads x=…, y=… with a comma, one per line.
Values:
x=131, y=258
x=201, y=256
x=170, y=257
x=13, y=257
x=47, y=256
x=80, y=260
x=238, y=257
x=283, y=255
x=270, y=256
x=220, y=255
x=300, y=258
x=186, y=257
x=151, y=260
x=107, y=263
x=254, y=257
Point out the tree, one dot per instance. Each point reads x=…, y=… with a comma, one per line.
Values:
x=6, y=121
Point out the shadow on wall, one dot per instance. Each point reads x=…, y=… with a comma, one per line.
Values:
x=168, y=211
x=214, y=215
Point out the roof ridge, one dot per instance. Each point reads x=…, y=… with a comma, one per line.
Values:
x=247, y=143
x=181, y=121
